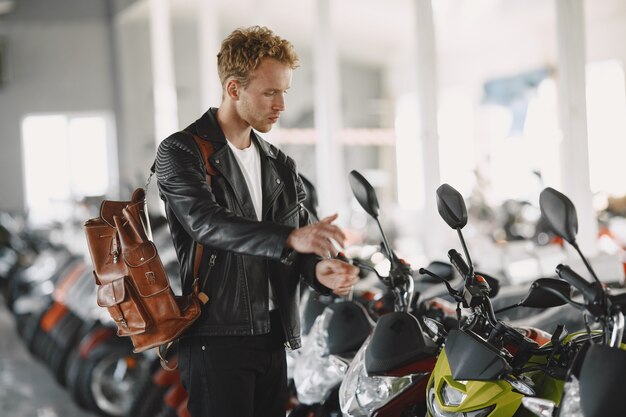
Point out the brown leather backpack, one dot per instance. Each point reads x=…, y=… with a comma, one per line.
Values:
x=132, y=283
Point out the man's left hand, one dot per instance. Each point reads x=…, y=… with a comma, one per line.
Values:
x=337, y=275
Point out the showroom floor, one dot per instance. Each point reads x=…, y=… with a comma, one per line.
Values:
x=27, y=389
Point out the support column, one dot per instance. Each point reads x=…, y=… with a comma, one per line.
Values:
x=208, y=48
x=573, y=118
x=331, y=176
x=433, y=228
x=164, y=82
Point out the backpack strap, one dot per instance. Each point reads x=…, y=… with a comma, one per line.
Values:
x=206, y=150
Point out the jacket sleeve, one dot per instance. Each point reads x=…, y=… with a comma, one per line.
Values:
x=182, y=185
x=308, y=262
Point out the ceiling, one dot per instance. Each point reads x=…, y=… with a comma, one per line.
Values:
x=484, y=38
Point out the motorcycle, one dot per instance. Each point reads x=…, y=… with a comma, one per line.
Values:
x=487, y=366
x=591, y=390
x=388, y=375
x=334, y=338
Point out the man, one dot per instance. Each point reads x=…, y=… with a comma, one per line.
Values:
x=255, y=232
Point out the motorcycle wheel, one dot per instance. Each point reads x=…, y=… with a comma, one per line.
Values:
x=106, y=381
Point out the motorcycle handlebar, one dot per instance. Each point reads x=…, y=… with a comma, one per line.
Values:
x=458, y=262
x=589, y=290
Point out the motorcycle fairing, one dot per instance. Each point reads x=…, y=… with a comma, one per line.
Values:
x=480, y=394
x=397, y=340
x=471, y=358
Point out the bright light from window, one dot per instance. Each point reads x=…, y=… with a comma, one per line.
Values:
x=456, y=142
x=515, y=161
x=606, y=124
x=65, y=159
x=542, y=132
x=88, y=155
x=408, y=153
x=46, y=167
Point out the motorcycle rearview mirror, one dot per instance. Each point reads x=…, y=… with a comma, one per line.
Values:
x=366, y=196
x=451, y=206
x=452, y=210
x=560, y=214
x=364, y=193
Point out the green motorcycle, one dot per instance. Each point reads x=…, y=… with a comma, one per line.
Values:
x=487, y=367
x=592, y=388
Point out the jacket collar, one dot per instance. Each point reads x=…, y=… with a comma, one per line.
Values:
x=208, y=128
x=224, y=161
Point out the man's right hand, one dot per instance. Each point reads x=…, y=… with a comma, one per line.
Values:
x=316, y=238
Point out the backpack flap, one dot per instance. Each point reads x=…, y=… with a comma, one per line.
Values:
x=105, y=250
x=128, y=315
x=111, y=294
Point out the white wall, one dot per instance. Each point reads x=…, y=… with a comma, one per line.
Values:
x=58, y=60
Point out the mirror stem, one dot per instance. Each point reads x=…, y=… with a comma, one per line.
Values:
x=593, y=274
x=587, y=264
x=467, y=256
x=392, y=257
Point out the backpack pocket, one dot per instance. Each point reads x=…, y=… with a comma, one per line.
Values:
x=129, y=315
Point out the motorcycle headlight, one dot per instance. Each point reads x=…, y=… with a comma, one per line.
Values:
x=452, y=396
x=435, y=410
x=360, y=394
x=315, y=372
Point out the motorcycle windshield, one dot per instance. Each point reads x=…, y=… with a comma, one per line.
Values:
x=397, y=340
x=471, y=358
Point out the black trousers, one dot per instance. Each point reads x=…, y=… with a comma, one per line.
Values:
x=235, y=376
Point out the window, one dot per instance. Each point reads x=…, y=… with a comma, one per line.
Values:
x=66, y=158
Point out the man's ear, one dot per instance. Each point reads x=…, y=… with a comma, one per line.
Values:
x=232, y=89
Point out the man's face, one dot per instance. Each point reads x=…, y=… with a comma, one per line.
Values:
x=263, y=100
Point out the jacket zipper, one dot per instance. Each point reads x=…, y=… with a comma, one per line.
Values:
x=212, y=259
x=289, y=213
x=245, y=282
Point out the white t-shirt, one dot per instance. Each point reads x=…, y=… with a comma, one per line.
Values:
x=249, y=160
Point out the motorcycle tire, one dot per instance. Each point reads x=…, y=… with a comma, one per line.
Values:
x=49, y=350
x=20, y=323
x=66, y=339
x=94, y=385
x=79, y=355
x=32, y=328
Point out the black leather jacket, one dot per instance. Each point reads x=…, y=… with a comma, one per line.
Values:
x=240, y=253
